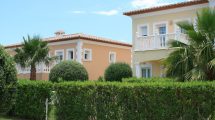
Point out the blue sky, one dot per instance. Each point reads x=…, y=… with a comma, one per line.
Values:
x=103, y=18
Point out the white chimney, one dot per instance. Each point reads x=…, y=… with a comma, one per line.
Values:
x=212, y=3
x=59, y=33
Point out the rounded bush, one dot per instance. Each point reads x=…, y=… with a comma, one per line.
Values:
x=68, y=71
x=117, y=71
x=8, y=81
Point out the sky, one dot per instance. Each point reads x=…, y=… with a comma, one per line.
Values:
x=104, y=18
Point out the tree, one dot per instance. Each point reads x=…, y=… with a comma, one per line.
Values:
x=194, y=60
x=33, y=51
x=8, y=81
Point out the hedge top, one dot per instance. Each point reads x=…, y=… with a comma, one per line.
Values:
x=147, y=84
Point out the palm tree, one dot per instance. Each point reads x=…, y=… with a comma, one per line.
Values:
x=33, y=51
x=194, y=60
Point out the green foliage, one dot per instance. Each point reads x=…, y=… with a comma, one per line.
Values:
x=30, y=100
x=135, y=101
x=117, y=71
x=194, y=60
x=142, y=80
x=33, y=51
x=101, y=79
x=8, y=81
x=68, y=71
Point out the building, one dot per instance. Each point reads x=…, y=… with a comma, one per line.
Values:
x=95, y=53
x=152, y=28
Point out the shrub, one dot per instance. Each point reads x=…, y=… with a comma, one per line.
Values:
x=135, y=101
x=101, y=79
x=117, y=71
x=142, y=80
x=68, y=71
x=30, y=100
x=8, y=81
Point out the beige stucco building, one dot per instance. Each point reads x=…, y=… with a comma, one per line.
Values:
x=152, y=28
x=95, y=53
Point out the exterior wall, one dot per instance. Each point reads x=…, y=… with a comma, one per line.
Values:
x=40, y=76
x=150, y=56
x=153, y=55
x=100, y=57
x=156, y=68
x=63, y=47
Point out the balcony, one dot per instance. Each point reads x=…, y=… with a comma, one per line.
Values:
x=143, y=43
x=40, y=68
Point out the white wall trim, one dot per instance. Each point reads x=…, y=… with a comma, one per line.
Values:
x=175, y=21
x=67, y=55
x=158, y=23
x=169, y=11
x=79, y=50
x=114, y=57
x=62, y=42
x=91, y=54
x=106, y=44
x=61, y=50
x=142, y=25
x=147, y=65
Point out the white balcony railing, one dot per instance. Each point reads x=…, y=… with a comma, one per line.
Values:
x=157, y=41
x=40, y=68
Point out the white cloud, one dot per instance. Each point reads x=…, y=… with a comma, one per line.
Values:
x=147, y=3
x=78, y=12
x=107, y=13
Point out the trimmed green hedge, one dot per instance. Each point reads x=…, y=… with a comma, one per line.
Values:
x=135, y=101
x=30, y=100
x=143, y=80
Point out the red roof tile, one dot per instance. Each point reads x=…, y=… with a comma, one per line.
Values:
x=165, y=7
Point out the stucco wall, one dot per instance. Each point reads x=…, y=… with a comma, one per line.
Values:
x=171, y=19
x=100, y=58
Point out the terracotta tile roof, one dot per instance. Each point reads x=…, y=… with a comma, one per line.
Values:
x=165, y=7
x=78, y=36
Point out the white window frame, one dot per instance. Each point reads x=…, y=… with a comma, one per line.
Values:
x=146, y=65
x=59, y=51
x=160, y=23
x=140, y=32
x=114, y=53
x=90, y=57
x=179, y=20
x=67, y=53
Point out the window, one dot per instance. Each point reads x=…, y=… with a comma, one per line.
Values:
x=162, y=29
x=179, y=30
x=143, y=31
x=60, y=55
x=112, y=57
x=146, y=72
x=87, y=54
x=70, y=54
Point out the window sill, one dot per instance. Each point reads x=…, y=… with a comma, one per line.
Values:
x=85, y=60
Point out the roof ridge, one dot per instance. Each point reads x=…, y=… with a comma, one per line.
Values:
x=67, y=37
x=165, y=7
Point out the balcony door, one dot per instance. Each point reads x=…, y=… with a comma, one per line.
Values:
x=161, y=38
x=146, y=71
